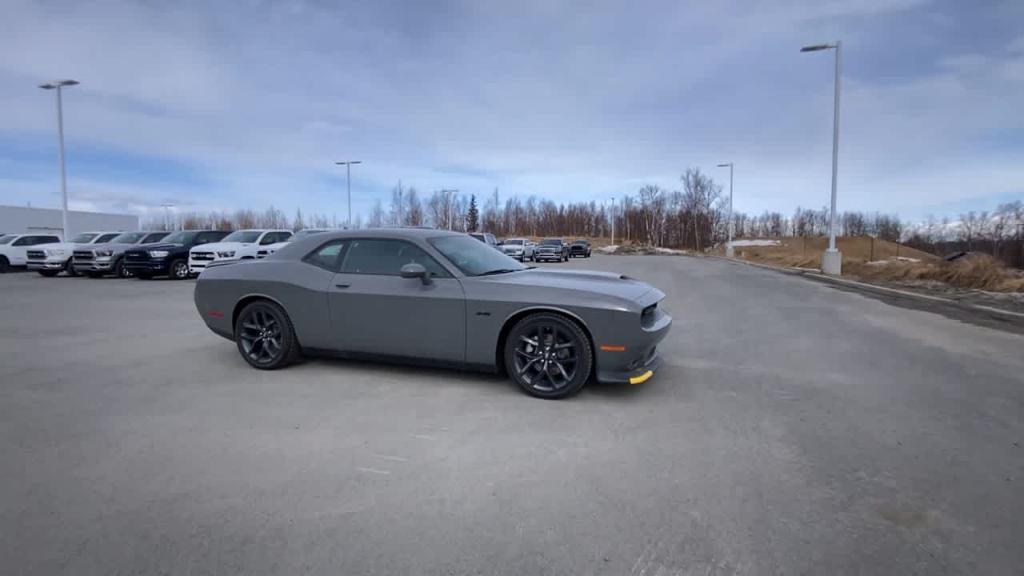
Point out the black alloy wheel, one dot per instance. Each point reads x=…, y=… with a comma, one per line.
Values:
x=548, y=355
x=49, y=273
x=265, y=336
x=179, y=270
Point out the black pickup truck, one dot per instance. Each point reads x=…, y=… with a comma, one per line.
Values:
x=170, y=256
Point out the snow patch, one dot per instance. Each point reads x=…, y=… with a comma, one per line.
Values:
x=610, y=249
x=742, y=243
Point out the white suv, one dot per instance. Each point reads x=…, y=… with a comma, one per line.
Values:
x=14, y=247
x=240, y=245
x=51, y=260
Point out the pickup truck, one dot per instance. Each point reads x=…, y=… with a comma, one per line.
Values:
x=170, y=256
x=57, y=258
x=239, y=245
x=98, y=260
x=14, y=248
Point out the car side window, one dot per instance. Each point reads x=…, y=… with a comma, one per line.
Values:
x=106, y=238
x=23, y=241
x=327, y=256
x=386, y=257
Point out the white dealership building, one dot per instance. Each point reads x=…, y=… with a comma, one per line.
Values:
x=26, y=220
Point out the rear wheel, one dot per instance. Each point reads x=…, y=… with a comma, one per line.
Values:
x=178, y=270
x=265, y=336
x=548, y=355
x=5, y=264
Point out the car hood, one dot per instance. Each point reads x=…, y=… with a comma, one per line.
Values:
x=606, y=283
x=158, y=246
x=214, y=246
x=61, y=246
x=548, y=247
x=117, y=246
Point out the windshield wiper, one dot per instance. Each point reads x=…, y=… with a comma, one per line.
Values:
x=497, y=271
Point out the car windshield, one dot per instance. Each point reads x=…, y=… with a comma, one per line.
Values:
x=128, y=238
x=580, y=242
x=514, y=241
x=473, y=257
x=244, y=236
x=7, y=239
x=551, y=242
x=83, y=238
x=182, y=237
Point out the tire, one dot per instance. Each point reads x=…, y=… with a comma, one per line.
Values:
x=5, y=265
x=48, y=273
x=265, y=336
x=69, y=268
x=119, y=269
x=556, y=341
x=178, y=270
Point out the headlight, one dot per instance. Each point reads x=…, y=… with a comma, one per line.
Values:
x=158, y=253
x=107, y=253
x=54, y=252
x=226, y=254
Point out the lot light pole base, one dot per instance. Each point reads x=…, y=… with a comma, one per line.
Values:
x=832, y=262
x=729, y=251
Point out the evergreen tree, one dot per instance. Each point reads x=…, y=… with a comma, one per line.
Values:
x=473, y=215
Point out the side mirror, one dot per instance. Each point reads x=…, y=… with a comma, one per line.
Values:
x=414, y=270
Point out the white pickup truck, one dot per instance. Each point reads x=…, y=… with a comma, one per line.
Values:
x=55, y=258
x=14, y=248
x=239, y=245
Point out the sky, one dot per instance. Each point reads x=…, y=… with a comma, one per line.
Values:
x=247, y=104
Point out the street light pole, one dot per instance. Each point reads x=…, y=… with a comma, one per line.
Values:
x=832, y=259
x=167, y=216
x=348, y=182
x=58, y=85
x=728, y=247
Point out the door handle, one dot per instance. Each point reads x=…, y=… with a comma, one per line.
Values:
x=342, y=285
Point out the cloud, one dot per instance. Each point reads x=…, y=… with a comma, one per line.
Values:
x=566, y=100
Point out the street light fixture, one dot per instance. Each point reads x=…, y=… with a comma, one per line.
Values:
x=728, y=247
x=57, y=85
x=832, y=259
x=348, y=179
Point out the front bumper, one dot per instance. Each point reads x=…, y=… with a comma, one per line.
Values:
x=633, y=358
x=547, y=256
x=195, y=267
x=153, y=267
x=93, y=265
x=48, y=264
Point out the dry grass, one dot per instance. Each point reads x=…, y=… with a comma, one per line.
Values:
x=873, y=259
x=978, y=273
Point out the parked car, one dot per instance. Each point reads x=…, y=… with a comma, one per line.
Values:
x=519, y=248
x=552, y=249
x=579, y=248
x=239, y=245
x=435, y=297
x=100, y=259
x=170, y=256
x=57, y=258
x=486, y=238
x=14, y=248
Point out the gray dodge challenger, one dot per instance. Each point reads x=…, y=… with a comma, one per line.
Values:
x=435, y=297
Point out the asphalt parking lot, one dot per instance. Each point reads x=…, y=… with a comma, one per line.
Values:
x=794, y=428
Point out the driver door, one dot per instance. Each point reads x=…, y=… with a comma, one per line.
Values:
x=376, y=311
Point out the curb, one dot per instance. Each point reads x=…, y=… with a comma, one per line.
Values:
x=816, y=274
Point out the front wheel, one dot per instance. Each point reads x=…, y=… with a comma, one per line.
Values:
x=548, y=356
x=69, y=267
x=120, y=271
x=5, y=264
x=179, y=270
x=49, y=273
x=265, y=336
